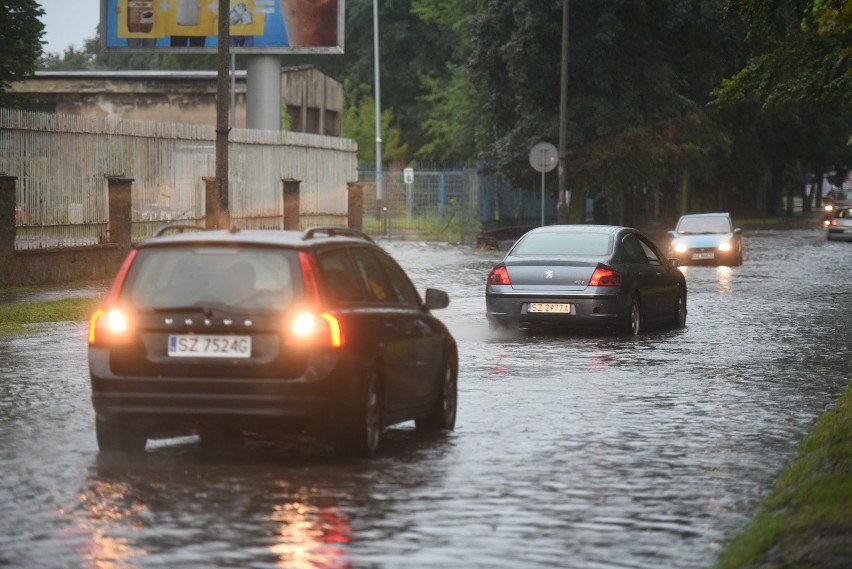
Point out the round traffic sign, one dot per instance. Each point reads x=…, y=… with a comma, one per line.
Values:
x=544, y=157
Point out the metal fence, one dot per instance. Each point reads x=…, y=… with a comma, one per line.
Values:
x=439, y=203
x=62, y=164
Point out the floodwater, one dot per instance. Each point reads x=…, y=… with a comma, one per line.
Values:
x=570, y=451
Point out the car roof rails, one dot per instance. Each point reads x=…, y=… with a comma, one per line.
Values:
x=332, y=231
x=178, y=228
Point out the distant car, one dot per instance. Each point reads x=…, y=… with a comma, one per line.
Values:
x=585, y=277
x=834, y=200
x=840, y=225
x=224, y=332
x=706, y=239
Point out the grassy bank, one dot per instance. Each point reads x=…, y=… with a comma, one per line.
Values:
x=806, y=520
x=19, y=318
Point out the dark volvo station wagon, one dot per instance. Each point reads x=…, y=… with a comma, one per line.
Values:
x=220, y=333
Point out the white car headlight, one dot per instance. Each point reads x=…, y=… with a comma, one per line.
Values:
x=725, y=246
x=679, y=247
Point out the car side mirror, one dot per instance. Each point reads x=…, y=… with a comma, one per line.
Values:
x=672, y=232
x=738, y=230
x=673, y=263
x=436, y=299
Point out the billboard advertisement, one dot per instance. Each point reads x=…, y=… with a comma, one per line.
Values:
x=192, y=26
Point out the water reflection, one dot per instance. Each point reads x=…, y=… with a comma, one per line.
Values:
x=138, y=513
x=723, y=275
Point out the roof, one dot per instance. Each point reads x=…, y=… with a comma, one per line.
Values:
x=262, y=237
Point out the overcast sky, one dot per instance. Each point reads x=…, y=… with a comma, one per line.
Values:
x=69, y=22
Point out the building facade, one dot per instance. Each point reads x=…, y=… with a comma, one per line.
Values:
x=312, y=102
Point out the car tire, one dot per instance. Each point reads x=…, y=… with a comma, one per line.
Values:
x=360, y=436
x=679, y=317
x=113, y=437
x=632, y=325
x=442, y=416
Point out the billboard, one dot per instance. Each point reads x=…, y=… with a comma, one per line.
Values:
x=192, y=26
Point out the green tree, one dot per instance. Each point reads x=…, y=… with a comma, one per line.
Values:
x=20, y=44
x=639, y=77
x=803, y=53
x=800, y=75
x=359, y=124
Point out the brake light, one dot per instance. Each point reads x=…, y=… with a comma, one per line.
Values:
x=115, y=289
x=108, y=326
x=605, y=277
x=323, y=329
x=499, y=276
x=309, y=276
x=834, y=222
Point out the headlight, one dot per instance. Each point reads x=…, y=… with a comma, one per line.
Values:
x=725, y=246
x=679, y=247
x=829, y=207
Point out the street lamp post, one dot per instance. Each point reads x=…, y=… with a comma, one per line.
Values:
x=561, y=206
x=380, y=195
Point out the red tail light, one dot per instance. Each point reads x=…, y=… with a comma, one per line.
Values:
x=834, y=222
x=109, y=327
x=309, y=276
x=499, y=276
x=109, y=324
x=605, y=277
x=308, y=328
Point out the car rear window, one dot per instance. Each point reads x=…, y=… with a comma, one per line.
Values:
x=247, y=278
x=708, y=224
x=561, y=243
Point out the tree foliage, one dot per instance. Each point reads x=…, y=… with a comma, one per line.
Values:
x=21, y=31
x=803, y=53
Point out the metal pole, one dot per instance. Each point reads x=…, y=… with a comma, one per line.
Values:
x=380, y=194
x=543, y=166
x=561, y=206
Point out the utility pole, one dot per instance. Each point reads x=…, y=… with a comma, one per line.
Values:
x=561, y=206
x=223, y=217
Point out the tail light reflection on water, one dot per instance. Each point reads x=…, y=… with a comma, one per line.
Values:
x=112, y=518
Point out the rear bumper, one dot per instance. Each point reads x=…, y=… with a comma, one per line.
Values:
x=593, y=312
x=834, y=234
x=169, y=406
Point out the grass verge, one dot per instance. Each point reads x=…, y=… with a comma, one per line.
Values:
x=806, y=520
x=18, y=318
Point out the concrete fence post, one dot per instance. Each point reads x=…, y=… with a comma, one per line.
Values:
x=119, y=203
x=7, y=229
x=355, y=210
x=291, y=189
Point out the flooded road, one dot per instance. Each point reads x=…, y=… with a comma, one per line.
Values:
x=569, y=451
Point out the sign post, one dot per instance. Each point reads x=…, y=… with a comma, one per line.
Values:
x=408, y=178
x=543, y=157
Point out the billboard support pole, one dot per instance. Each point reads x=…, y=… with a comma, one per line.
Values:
x=263, y=92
